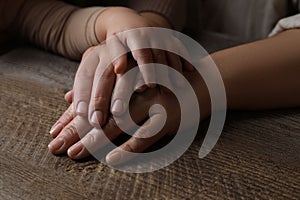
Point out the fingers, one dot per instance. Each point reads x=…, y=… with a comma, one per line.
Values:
x=116, y=48
x=120, y=64
x=184, y=53
x=84, y=81
x=136, y=42
x=140, y=84
x=101, y=93
x=65, y=119
x=96, y=139
x=175, y=62
x=160, y=57
x=142, y=57
x=138, y=143
x=69, y=96
x=69, y=135
x=124, y=87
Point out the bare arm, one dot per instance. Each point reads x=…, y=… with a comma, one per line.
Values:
x=259, y=75
x=263, y=74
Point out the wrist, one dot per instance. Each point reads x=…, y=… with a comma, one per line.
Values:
x=117, y=19
x=107, y=19
x=100, y=26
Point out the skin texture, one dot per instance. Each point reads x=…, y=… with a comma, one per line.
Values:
x=109, y=23
x=262, y=74
x=69, y=30
x=259, y=75
x=139, y=107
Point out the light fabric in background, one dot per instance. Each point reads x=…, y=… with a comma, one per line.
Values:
x=237, y=20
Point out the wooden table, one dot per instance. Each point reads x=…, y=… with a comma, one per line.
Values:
x=257, y=157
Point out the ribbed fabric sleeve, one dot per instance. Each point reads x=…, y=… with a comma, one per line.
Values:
x=52, y=25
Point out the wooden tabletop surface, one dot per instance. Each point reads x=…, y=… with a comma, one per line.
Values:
x=257, y=156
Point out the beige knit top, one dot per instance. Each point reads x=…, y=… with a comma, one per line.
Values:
x=66, y=29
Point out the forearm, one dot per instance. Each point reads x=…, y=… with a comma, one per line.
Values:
x=263, y=74
x=53, y=25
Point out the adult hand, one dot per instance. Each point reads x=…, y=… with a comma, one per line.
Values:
x=96, y=59
x=80, y=140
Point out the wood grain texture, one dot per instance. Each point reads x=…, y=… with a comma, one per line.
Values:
x=257, y=157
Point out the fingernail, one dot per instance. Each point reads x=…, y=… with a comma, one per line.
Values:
x=74, y=151
x=113, y=158
x=56, y=145
x=97, y=118
x=117, y=107
x=81, y=108
x=56, y=129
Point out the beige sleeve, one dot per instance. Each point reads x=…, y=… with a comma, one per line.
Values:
x=52, y=25
x=173, y=10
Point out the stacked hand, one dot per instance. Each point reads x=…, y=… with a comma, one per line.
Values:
x=75, y=135
x=98, y=93
x=110, y=24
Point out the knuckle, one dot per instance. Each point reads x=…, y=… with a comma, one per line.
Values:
x=99, y=102
x=133, y=145
x=100, y=99
x=69, y=115
x=70, y=131
x=82, y=96
x=91, y=139
x=129, y=147
x=83, y=73
x=142, y=133
x=66, y=117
